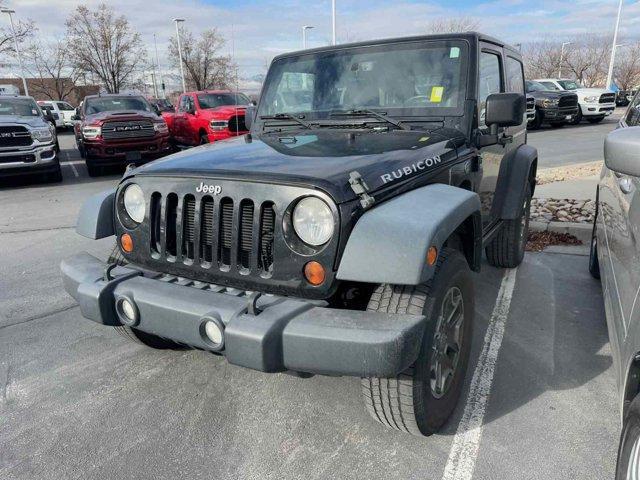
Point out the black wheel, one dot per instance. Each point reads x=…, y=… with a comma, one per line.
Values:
x=536, y=123
x=81, y=150
x=507, y=247
x=594, y=264
x=421, y=399
x=92, y=169
x=55, y=176
x=628, y=464
x=595, y=119
x=578, y=118
x=132, y=334
x=203, y=138
x=557, y=124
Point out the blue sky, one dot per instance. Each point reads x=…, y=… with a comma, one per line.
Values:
x=264, y=28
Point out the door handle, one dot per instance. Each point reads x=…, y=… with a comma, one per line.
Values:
x=625, y=184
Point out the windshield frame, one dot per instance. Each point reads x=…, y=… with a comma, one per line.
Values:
x=87, y=102
x=466, y=51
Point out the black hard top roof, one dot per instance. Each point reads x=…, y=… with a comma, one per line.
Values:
x=471, y=37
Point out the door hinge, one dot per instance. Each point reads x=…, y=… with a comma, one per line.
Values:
x=360, y=188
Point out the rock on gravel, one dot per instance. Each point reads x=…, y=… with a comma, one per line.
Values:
x=562, y=210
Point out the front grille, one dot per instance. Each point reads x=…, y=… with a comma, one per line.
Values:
x=14, y=136
x=568, y=101
x=128, y=129
x=210, y=232
x=607, y=98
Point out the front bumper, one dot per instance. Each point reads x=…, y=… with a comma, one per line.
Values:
x=17, y=161
x=559, y=114
x=116, y=152
x=279, y=334
x=597, y=109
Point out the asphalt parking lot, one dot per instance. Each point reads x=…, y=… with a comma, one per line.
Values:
x=78, y=401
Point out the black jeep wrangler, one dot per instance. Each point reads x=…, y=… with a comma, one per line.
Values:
x=339, y=236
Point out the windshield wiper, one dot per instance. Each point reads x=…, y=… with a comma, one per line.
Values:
x=363, y=112
x=286, y=116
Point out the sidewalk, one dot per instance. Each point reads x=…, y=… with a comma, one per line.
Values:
x=577, y=189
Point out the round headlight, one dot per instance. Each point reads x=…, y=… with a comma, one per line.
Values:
x=313, y=221
x=134, y=203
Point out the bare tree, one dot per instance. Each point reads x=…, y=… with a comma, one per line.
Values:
x=24, y=30
x=587, y=59
x=104, y=43
x=204, y=64
x=453, y=25
x=54, y=74
x=542, y=59
x=627, y=69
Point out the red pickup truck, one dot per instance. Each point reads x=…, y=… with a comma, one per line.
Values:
x=207, y=116
x=117, y=129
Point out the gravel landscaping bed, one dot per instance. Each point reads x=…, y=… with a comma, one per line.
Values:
x=538, y=241
x=562, y=210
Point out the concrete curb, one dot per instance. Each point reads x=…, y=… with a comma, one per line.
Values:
x=582, y=231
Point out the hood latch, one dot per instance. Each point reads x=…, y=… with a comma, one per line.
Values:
x=360, y=188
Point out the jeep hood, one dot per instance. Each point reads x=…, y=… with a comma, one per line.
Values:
x=30, y=121
x=321, y=158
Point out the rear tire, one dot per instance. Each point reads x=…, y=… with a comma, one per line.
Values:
x=594, y=263
x=628, y=464
x=506, y=249
x=595, y=119
x=419, y=400
x=132, y=334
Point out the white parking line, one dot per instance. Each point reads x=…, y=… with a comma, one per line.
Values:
x=464, y=451
x=73, y=167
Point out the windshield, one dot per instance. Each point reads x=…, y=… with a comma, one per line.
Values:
x=215, y=100
x=426, y=78
x=22, y=107
x=163, y=105
x=535, y=87
x=569, y=84
x=112, y=104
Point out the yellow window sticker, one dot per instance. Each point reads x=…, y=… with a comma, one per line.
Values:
x=436, y=94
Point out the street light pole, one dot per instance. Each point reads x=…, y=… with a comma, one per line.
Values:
x=333, y=21
x=15, y=41
x=304, y=35
x=561, y=59
x=613, y=48
x=180, y=20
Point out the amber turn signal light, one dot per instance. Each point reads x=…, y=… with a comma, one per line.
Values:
x=314, y=273
x=432, y=255
x=126, y=242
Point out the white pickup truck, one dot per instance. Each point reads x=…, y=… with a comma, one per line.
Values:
x=595, y=103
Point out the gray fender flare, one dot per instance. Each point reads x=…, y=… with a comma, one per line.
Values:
x=515, y=171
x=95, y=220
x=389, y=243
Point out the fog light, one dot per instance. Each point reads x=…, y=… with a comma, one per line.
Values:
x=213, y=332
x=127, y=311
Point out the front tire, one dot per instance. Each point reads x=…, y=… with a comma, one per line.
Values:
x=536, y=123
x=506, y=249
x=595, y=119
x=578, y=118
x=628, y=464
x=204, y=138
x=422, y=398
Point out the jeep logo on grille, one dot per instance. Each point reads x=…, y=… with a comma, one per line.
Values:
x=214, y=189
x=127, y=128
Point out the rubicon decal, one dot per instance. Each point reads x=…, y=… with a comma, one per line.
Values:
x=213, y=189
x=410, y=169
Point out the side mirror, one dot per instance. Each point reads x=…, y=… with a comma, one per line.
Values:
x=249, y=116
x=505, y=110
x=622, y=151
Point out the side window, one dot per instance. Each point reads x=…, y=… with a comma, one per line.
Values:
x=184, y=103
x=515, y=76
x=489, y=80
x=633, y=115
x=550, y=85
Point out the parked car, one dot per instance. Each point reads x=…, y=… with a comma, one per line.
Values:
x=595, y=103
x=118, y=129
x=52, y=116
x=551, y=106
x=207, y=116
x=615, y=259
x=262, y=245
x=531, y=109
x=28, y=142
x=161, y=105
x=64, y=111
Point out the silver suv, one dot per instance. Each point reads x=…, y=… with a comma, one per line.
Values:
x=615, y=258
x=28, y=142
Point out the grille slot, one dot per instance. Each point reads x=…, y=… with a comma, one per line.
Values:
x=226, y=234
x=568, y=101
x=607, y=98
x=246, y=233
x=226, y=229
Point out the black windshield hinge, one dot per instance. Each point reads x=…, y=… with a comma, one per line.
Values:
x=360, y=188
